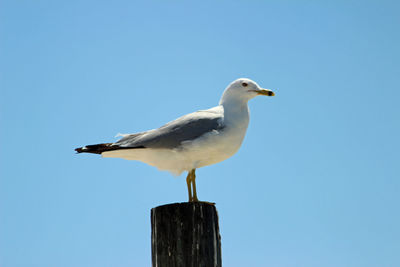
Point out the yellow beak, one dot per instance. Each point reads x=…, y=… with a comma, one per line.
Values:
x=266, y=92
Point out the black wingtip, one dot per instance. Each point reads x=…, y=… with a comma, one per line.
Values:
x=78, y=150
x=96, y=149
x=100, y=148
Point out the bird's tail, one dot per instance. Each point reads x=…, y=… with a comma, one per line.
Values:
x=97, y=149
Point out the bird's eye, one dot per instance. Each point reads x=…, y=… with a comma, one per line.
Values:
x=244, y=84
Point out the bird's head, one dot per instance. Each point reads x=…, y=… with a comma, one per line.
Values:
x=243, y=90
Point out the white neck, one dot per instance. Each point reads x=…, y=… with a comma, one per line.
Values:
x=236, y=112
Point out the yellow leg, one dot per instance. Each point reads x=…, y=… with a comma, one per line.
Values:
x=194, y=185
x=188, y=181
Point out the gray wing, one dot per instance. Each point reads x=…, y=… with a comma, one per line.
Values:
x=172, y=134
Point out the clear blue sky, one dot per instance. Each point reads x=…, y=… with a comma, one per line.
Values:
x=316, y=182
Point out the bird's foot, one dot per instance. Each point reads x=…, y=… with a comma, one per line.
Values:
x=210, y=203
x=197, y=201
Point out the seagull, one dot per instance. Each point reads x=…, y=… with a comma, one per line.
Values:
x=192, y=141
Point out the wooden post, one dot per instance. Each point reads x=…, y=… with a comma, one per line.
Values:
x=185, y=235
